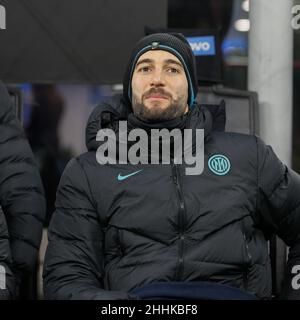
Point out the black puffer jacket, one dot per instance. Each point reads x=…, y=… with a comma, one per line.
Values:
x=21, y=191
x=7, y=280
x=108, y=237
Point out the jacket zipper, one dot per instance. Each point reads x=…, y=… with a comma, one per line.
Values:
x=120, y=243
x=181, y=220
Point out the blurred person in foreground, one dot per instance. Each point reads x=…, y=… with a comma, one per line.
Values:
x=130, y=231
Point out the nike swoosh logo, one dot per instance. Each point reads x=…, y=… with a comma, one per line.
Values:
x=121, y=178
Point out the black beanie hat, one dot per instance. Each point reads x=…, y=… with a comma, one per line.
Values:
x=174, y=43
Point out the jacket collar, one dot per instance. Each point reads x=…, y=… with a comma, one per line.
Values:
x=108, y=114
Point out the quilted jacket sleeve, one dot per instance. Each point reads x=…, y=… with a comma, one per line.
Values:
x=73, y=267
x=21, y=191
x=279, y=207
x=7, y=279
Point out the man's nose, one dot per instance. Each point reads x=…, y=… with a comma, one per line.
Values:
x=158, y=78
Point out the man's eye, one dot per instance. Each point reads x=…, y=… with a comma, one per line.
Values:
x=173, y=70
x=144, y=69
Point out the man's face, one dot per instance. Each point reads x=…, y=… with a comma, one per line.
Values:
x=159, y=87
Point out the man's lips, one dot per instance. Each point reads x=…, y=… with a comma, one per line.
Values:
x=156, y=96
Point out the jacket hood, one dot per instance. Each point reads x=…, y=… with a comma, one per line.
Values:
x=108, y=114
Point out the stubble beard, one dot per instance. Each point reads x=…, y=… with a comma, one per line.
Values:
x=155, y=113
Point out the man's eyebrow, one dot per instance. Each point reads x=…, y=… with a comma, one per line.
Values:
x=143, y=61
x=168, y=61
x=171, y=61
